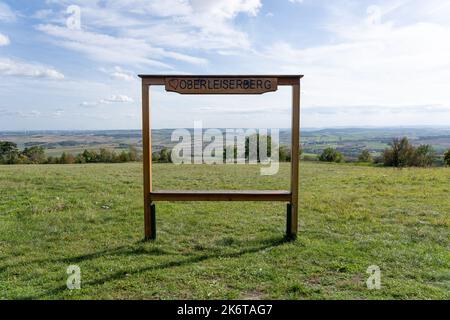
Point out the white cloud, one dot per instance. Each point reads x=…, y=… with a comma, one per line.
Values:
x=6, y=14
x=4, y=40
x=209, y=25
x=57, y=113
x=121, y=74
x=119, y=98
x=106, y=48
x=196, y=24
x=9, y=67
x=118, y=73
x=29, y=114
x=20, y=113
x=373, y=60
x=88, y=104
x=43, y=14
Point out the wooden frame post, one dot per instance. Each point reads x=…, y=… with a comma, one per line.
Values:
x=295, y=150
x=149, y=229
x=220, y=84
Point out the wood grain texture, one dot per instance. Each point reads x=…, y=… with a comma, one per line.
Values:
x=225, y=195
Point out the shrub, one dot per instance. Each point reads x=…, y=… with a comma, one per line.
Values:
x=447, y=157
x=8, y=152
x=424, y=156
x=155, y=157
x=124, y=156
x=285, y=154
x=400, y=154
x=403, y=154
x=67, y=158
x=89, y=156
x=331, y=155
x=133, y=154
x=165, y=155
x=365, y=156
x=106, y=155
x=35, y=154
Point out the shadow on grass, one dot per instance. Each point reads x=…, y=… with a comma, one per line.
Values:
x=118, y=251
x=266, y=244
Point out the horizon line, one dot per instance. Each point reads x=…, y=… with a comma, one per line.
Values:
x=223, y=128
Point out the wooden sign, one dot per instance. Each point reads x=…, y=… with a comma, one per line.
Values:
x=222, y=85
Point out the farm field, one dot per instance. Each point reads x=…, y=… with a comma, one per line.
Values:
x=351, y=217
x=350, y=141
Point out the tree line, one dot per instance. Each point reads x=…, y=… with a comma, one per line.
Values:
x=10, y=154
x=401, y=153
x=165, y=154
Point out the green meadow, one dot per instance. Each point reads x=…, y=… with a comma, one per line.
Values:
x=351, y=217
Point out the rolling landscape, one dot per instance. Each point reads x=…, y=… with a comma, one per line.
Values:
x=349, y=141
x=350, y=218
x=333, y=185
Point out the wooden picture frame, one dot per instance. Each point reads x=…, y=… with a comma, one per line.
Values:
x=220, y=84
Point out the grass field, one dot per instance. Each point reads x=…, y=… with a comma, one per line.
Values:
x=350, y=218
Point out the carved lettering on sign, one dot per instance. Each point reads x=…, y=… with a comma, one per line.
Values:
x=210, y=85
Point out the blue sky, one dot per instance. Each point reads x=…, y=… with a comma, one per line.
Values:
x=366, y=63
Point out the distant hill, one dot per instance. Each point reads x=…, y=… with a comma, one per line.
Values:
x=350, y=141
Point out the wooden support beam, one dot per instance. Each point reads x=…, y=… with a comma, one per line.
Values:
x=252, y=195
x=152, y=221
x=147, y=160
x=295, y=159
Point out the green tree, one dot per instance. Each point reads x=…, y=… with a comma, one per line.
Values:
x=165, y=155
x=285, y=154
x=79, y=158
x=400, y=154
x=67, y=158
x=90, y=156
x=35, y=154
x=365, y=156
x=106, y=155
x=52, y=160
x=447, y=157
x=156, y=157
x=124, y=156
x=331, y=155
x=8, y=152
x=133, y=153
x=62, y=158
x=424, y=155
